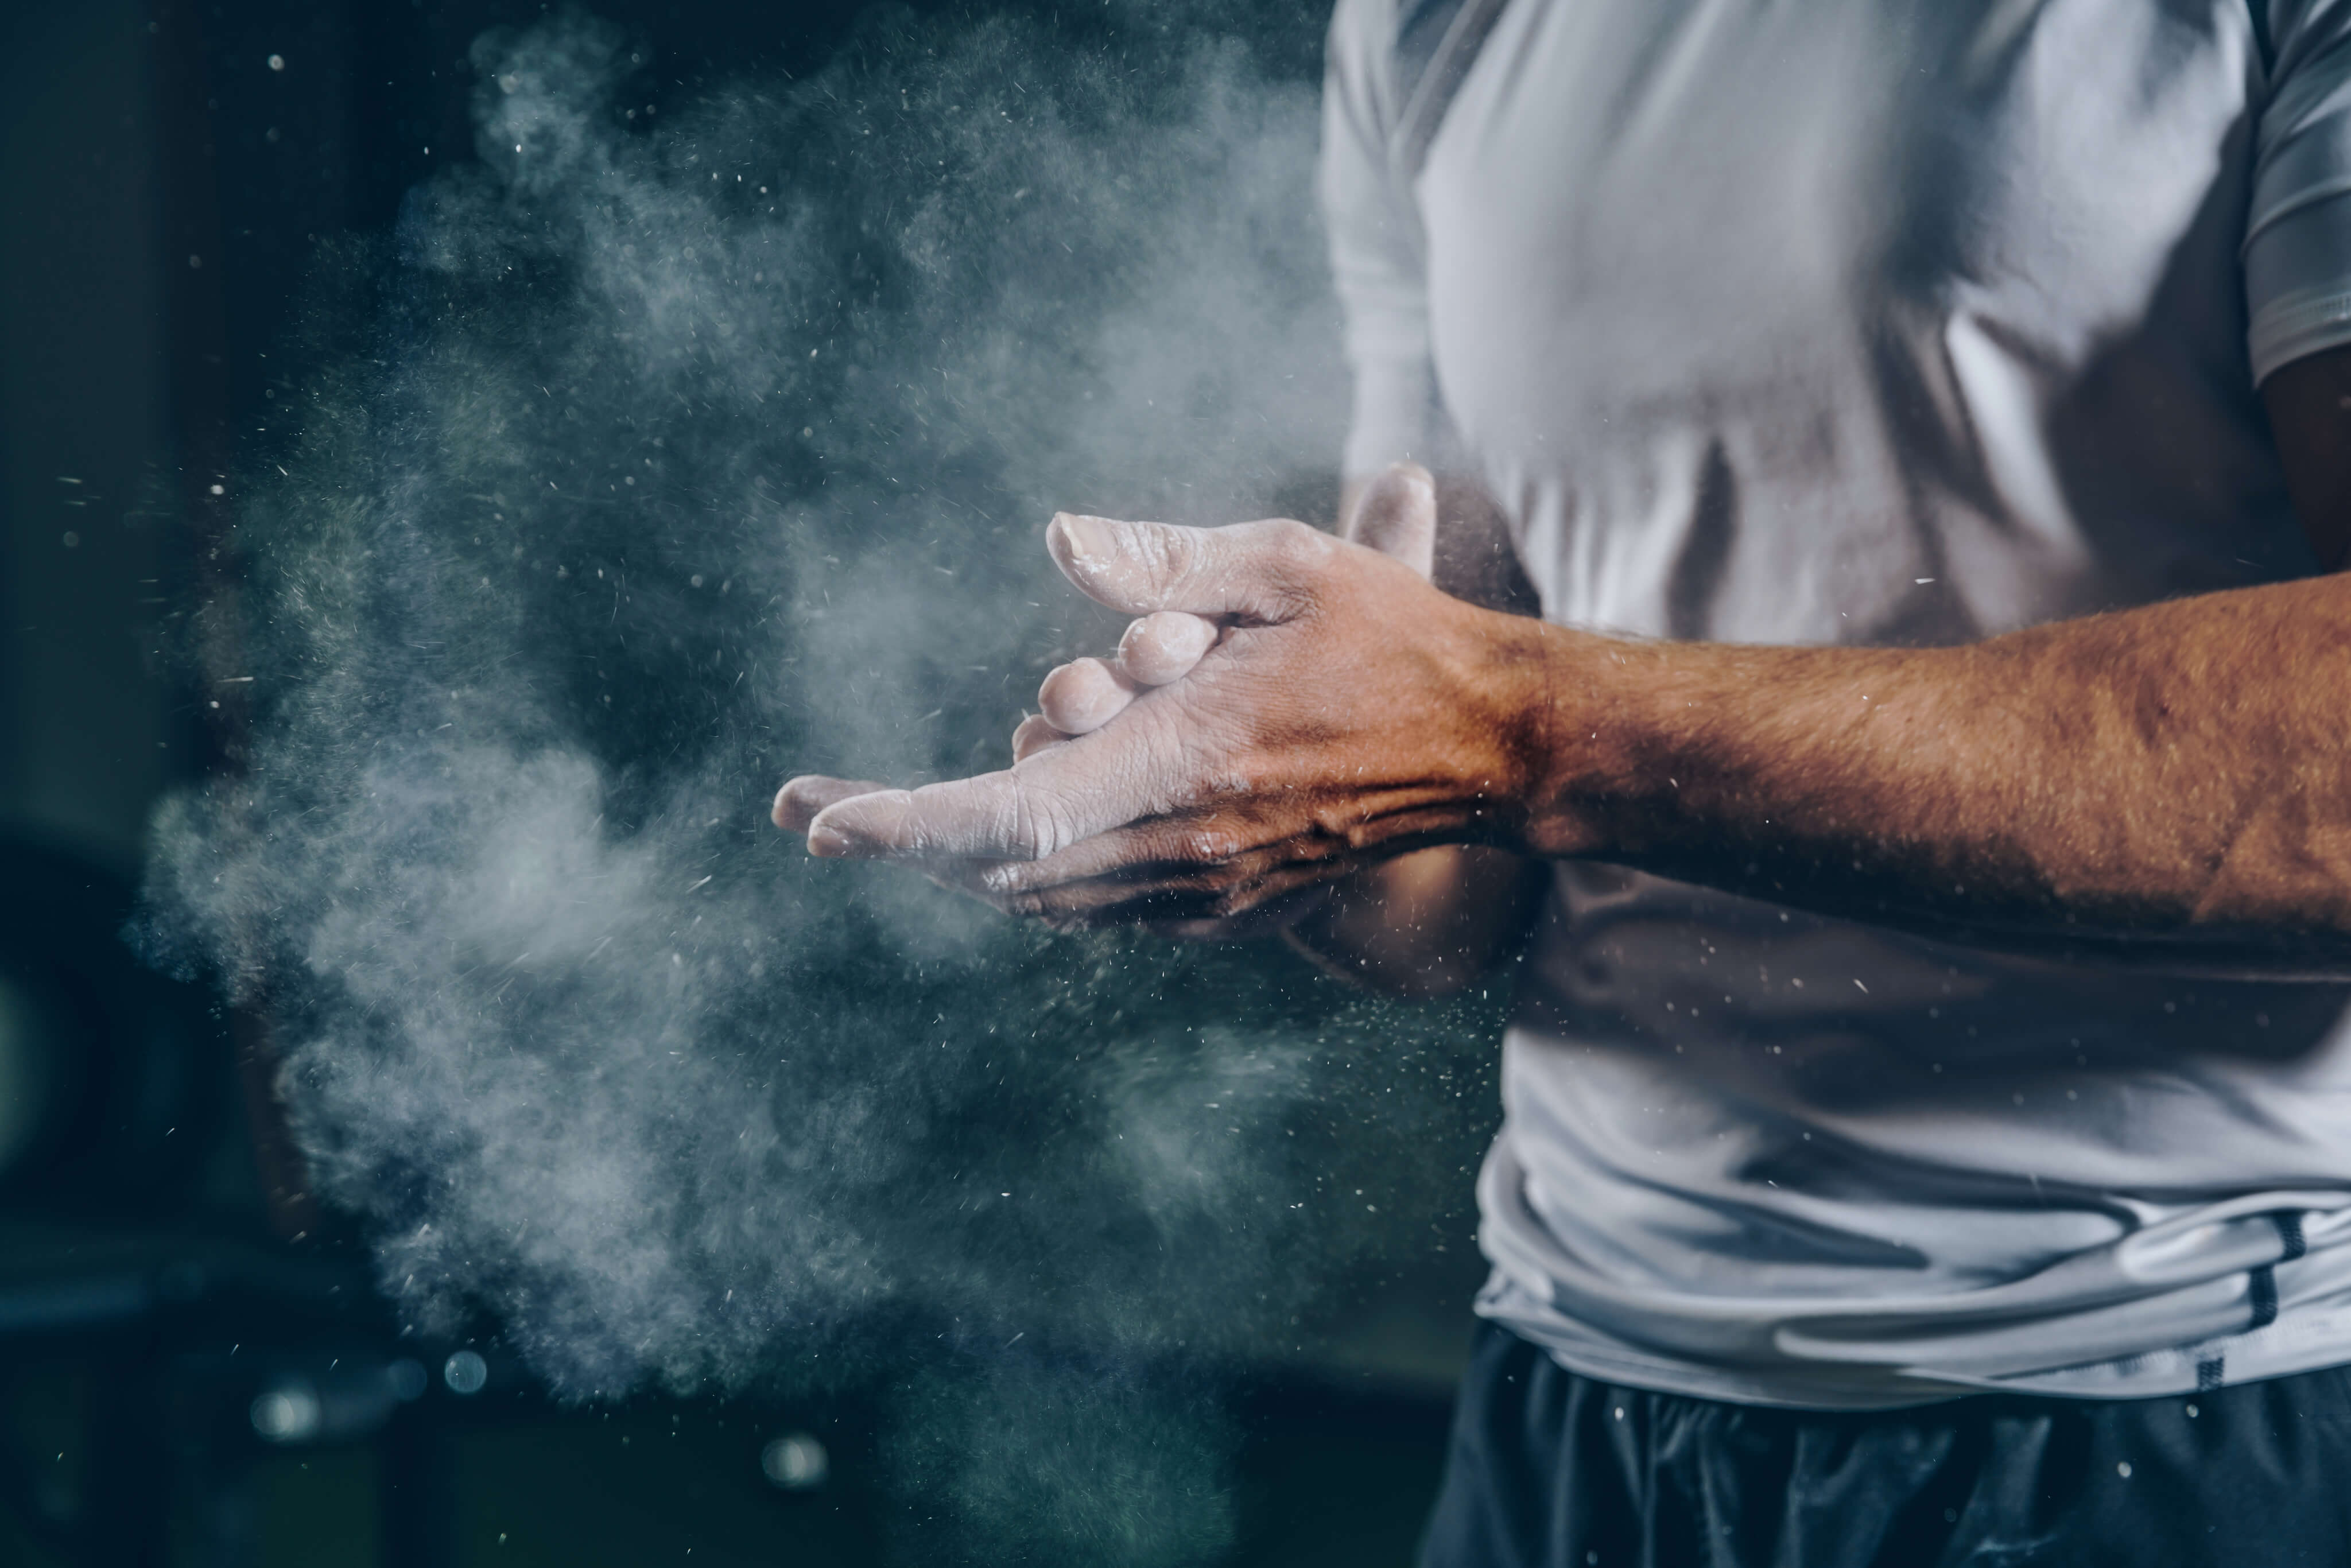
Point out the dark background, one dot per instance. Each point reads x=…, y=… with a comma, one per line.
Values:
x=162, y=1273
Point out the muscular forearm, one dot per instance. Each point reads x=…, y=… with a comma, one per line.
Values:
x=2174, y=776
x=2178, y=772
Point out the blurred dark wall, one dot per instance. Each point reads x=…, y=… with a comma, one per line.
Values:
x=89, y=730
x=167, y=170
x=162, y=187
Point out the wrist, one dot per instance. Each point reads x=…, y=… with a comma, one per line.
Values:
x=1572, y=711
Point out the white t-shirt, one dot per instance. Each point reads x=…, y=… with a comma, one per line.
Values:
x=1875, y=321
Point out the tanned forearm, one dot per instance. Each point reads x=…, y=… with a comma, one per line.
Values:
x=2174, y=774
x=2175, y=777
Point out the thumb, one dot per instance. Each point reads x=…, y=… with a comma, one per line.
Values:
x=1256, y=571
x=1396, y=515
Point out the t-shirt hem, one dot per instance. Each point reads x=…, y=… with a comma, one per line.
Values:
x=2281, y=1349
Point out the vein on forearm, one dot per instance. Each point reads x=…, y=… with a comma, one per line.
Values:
x=2176, y=769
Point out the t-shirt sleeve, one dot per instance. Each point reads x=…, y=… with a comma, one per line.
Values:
x=1375, y=243
x=2298, y=228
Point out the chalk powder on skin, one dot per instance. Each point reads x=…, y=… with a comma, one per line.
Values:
x=657, y=458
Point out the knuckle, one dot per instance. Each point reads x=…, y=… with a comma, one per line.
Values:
x=1293, y=559
x=1170, y=553
x=1053, y=831
x=1295, y=546
x=1022, y=826
x=1207, y=846
x=1228, y=780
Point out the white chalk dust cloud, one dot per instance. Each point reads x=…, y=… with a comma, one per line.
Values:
x=653, y=459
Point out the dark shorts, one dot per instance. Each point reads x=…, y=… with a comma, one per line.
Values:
x=1554, y=1469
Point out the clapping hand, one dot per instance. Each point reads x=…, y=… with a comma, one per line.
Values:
x=1286, y=707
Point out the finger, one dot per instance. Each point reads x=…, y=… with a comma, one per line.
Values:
x=1033, y=736
x=963, y=877
x=1039, y=806
x=1275, y=894
x=1230, y=845
x=1396, y=515
x=1259, y=572
x=1083, y=696
x=1164, y=646
x=992, y=817
x=800, y=800
x=1170, y=849
x=1139, y=851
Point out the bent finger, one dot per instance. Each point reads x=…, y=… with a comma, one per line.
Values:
x=1033, y=734
x=1274, y=893
x=1173, y=848
x=1164, y=646
x=801, y=799
x=1396, y=515
x=1084, y=694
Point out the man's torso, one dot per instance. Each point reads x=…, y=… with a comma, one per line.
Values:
x=1868, y=323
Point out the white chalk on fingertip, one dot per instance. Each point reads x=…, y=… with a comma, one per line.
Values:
x=1083, y=695
x=1084, y=536
x=1164, y=647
